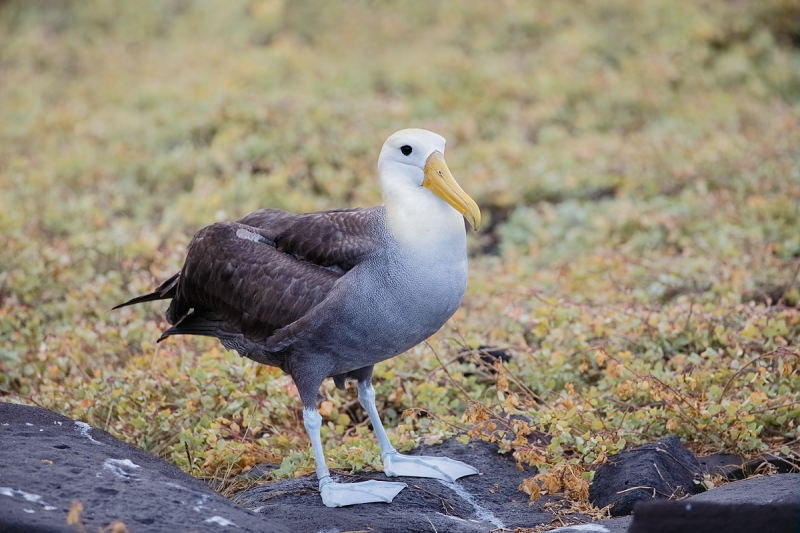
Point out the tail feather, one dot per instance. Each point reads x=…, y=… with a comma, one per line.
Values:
x=198, y=323
x=166, y=290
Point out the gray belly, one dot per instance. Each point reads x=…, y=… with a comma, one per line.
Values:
x=387, y=310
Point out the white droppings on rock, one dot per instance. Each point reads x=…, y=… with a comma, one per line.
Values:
x=583, y=527
x=56, y=422
x=481, y=512
x=118, y=466
x=451, y=517
x=219, y=520
x=28, y=424
x=85, y=428
x=33, y=498
x=29, y=510
x=200, y=505
x=5, y=424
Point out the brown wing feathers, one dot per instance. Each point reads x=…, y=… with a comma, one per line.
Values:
x=330, y=238
x=263, y=272
x=254, y=288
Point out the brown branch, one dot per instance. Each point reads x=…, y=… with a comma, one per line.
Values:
x=734, y=376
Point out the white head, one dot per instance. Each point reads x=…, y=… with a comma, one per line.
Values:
x=409, y=148
x=413, y=170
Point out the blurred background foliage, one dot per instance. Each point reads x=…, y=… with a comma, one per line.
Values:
x=637, y=163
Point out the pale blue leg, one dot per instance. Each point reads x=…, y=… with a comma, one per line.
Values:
x=397, y=464
x=313, y=422
x=342, y=494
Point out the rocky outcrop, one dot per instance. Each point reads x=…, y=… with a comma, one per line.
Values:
x=480, y=503
x=52, y=467
x=755, y=505
x=659, y=470
x=50, y=463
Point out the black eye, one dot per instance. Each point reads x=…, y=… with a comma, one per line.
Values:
x=406, y=150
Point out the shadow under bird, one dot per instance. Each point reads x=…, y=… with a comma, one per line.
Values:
x=330, y=294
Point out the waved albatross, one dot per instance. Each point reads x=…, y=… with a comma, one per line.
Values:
x=330, y=294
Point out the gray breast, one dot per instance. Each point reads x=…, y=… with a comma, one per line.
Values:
x=385, y=306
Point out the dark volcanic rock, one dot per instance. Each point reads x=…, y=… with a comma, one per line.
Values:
x=782, y=488
x=47, y=461
x=783, y=465
x=482, y=503
x=660, y=470
x=734, y=467
x=762, y=504
x=496, y=489
x=423, y=506
x=705, y=517
x=723, y=464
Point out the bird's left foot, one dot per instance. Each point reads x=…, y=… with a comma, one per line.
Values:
x=396, y=464
x=344, y=494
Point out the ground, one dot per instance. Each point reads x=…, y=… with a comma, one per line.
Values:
x=636, y=163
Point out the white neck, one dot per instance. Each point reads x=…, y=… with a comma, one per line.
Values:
x=420, y=221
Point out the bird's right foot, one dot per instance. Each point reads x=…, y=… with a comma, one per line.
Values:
x=343, y=494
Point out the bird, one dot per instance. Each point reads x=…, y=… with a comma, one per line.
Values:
x=332, y=293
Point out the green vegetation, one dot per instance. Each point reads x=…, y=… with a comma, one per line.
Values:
x=637, y=162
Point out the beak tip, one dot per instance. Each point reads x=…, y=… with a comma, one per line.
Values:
x=475, y=218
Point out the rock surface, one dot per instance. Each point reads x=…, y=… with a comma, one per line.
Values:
x=660, y=470
x=750, y=503
x=478, y=503
x=761, y=504
x=733, y=467
x=48, y=461
x=781, y=488
x=705, y=517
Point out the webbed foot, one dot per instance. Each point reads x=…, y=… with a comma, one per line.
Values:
x=397, y=464
x=343, y=494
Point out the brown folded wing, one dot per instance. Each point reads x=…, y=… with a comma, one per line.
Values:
x=328, y=238
x=267, y=270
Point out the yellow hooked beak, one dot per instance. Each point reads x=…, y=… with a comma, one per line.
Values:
x=439, y=181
